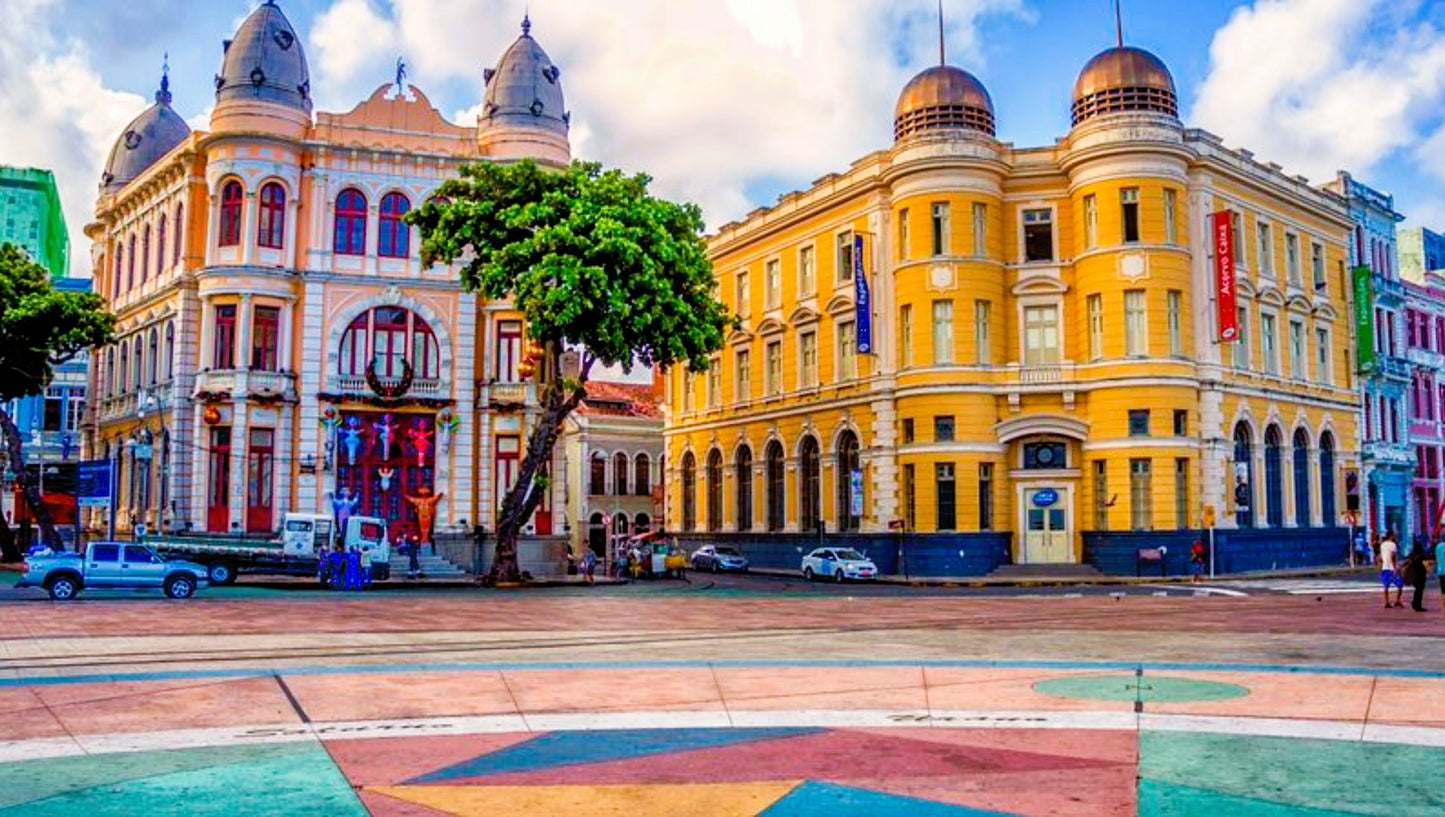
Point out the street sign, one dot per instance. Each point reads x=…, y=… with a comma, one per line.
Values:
x=1046, y=497
x=93, y=483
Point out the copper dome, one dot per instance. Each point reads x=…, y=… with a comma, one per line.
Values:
x=1124, y=79
x=943, y=97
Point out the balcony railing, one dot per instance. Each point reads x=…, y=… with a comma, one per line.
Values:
x=1042, y=374
x=356, y=384
x=1379, y=451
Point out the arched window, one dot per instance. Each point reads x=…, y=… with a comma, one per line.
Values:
x=714, y=490
x=743, y=463
x=121, y=383
x=180, y=236
x=1243, y=476
x=808, y=472
x=619, y=473
x=777, y=496
x=155, y=344
x=130, y=265
x=161, y=244
x=1301, y=478
x=394, y=240
x=1327, y=478
x=619, y=531
x=597, y=535
x=110, y=373
x=170, y=350
x=848, y=465
x=271, y=226
x=689, y=492
x=350, y=235
x=642, y=524
x=119, y=268
x=145, y=254
x=138, y=354
x=384, y=336
x=597, y=474
x=642, y=475
x=1273, y=478
x=230, y=234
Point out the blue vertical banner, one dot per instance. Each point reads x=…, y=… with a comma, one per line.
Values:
x=862, y=299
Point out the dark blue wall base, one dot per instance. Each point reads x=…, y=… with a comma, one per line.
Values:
x=912, y=554
x=1235, y=551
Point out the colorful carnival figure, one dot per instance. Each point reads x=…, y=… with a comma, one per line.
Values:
x=343, y=505
x=420, y=437
x=385, y=475
x=425, y=505
x=329, y=424
x=447, y=424
x=385, y=429
x=351, y=438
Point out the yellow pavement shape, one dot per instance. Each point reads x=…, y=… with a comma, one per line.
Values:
x=671, y=800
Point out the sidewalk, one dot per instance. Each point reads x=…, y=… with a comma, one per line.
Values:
x=1085, y=579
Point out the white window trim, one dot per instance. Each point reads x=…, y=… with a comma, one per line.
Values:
x=1021, y=309
x=1295, y=277
x=1096, y=333
x=805, y=382
x=743, y=308
x=739, y=396
x=1053, y=233
x=772, y=386
x=1143, y=325
x=1324, y=356
x=802, y=291
x=1264, y=351
x=1271, y=270
x=840, y=374
x=770, y=305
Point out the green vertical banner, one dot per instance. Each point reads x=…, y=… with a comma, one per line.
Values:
x=1364, y=318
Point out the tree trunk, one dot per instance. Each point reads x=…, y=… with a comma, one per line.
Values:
x=31, y=491
x=9, y=550
x=558, y=401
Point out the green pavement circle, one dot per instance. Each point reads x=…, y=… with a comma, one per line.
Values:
x=1147, y=688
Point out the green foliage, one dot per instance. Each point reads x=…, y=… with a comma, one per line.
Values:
x=588, y=255
x=41, y=326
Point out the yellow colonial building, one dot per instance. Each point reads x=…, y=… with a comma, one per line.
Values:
x=1042, y=381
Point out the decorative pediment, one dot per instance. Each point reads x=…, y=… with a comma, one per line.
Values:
x=1298, y=303
x=1270, y=295
x=1243, y=286
x=802, y=315
x=771, y=326
x=1036, y=424
x=1325, y=312
x=1040, y=285
x=740, y=337
x=839, y=303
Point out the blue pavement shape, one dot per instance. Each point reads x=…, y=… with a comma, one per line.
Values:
x=831, y=800
x=571, y=748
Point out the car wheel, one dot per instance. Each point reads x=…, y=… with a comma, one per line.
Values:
x=63, y=588
x=838, y=575
x=808, y=573
x=221, y=573
x=180, y=587
x=714, y=567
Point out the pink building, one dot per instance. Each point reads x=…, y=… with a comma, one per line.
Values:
x=1424, y=319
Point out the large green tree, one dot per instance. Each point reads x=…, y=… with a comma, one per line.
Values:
x=596, y=264
x=40, y=327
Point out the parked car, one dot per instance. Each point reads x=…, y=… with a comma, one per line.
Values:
x=112, y=565
x=838, y=564
x=716, y=559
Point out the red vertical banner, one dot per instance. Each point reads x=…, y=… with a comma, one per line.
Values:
x=1228, y=317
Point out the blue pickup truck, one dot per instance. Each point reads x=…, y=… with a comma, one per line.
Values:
x=112, y=565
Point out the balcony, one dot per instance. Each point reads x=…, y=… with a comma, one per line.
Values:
x=1425, y=358
x=245, y=383
x=506, y=394
x=1383, y=453
x=214, y=382
x=355, y=384
x=1040, y=378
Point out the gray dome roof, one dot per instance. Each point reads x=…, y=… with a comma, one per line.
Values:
x=265, y=62
x=525, y=88
x=145, y=140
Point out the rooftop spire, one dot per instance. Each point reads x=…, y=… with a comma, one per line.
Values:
x=941, y=60
x=526, y=24
x=1119, y=22
x=163, y=95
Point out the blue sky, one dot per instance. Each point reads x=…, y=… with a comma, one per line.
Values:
x=730, y=102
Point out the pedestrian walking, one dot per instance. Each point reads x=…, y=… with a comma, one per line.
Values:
x=1196, y=561
x=1413, y=572
x=353, y=569
x=1390, y=569
x=365, y=566
x=589, y=565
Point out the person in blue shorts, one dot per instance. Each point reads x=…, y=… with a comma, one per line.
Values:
x=1390, y=575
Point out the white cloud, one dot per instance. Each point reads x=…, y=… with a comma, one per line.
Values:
x=1321, y=85
x=60, y=114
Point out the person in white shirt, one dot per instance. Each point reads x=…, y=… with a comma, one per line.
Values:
x=1390, y=569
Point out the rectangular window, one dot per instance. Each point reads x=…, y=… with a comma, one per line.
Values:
x=688, y=402
x=1176, y=319
x=981, y=342
x=1268, y=341
x=1091, y=221
x=1181, y=422
x=942, y=332
x=905, y=335
x=224, y=352
x=1041, y=335
x=943, y=428
x=1241, y=344
x=1096, y=327
x=907, y=430
x=1324, y=372
x=985, y=496
x=1297, y=350
x=744, y=375
x=74, y=410
x=845, y=257
x=945, y=497
x=1236, y=220
x=54, y=409
x=1101, y=495
x=1138, y=422
x=509, y=350
x=807, y=273
x=714, y=388
x=807, y=360
x=980, y=230
x=1141, y=496
x=1266, y=251
x=743, y=294
x=773, y=379
x=1317, y=265
x=1181, y=493
x=1171, y=229
x=903, y=236
x=1136, y=325
x=1129, y=214
x=1291, y=258
x=910, y=499
x=847, y=351
x=773, y=284
x=939, y=222
x=1038, y=235
x=265, y=328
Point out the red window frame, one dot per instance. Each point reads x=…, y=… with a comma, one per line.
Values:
x=509, y=350
x=180, y=240
x=145, y=254
x=224, y=351
x=155, y=356
x=394, y=238
x=230, y=235
x=130, y=266
x=160, y=244
x=508, y=456
x=349, y=236
x=218, y=480
x=119, y=267
x=265, y=338
x=271, y=226
x=260, y=466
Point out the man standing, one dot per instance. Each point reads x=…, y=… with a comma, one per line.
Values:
x=1390, y=569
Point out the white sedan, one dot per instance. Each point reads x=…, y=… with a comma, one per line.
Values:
x=839, y=564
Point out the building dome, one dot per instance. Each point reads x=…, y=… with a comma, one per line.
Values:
x=943, y=97
x=265, y=62
x=1123, y=80
x=145, y=140
x=525, y=89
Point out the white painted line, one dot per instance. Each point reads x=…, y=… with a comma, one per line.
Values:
x=1198, y=589
x=1330, y=591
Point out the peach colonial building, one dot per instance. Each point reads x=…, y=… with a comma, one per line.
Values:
x=1044, y=384
x=279, y=339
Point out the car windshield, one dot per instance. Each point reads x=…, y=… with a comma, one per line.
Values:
x=849, y=553
x=728, y=552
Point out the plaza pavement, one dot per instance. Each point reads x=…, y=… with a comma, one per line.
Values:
x=571, y=701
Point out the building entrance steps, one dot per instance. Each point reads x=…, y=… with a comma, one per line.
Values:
x=433, y=567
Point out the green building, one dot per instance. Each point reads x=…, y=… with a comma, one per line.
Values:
x=30, y=217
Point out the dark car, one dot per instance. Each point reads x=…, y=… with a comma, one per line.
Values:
x=719, y=558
